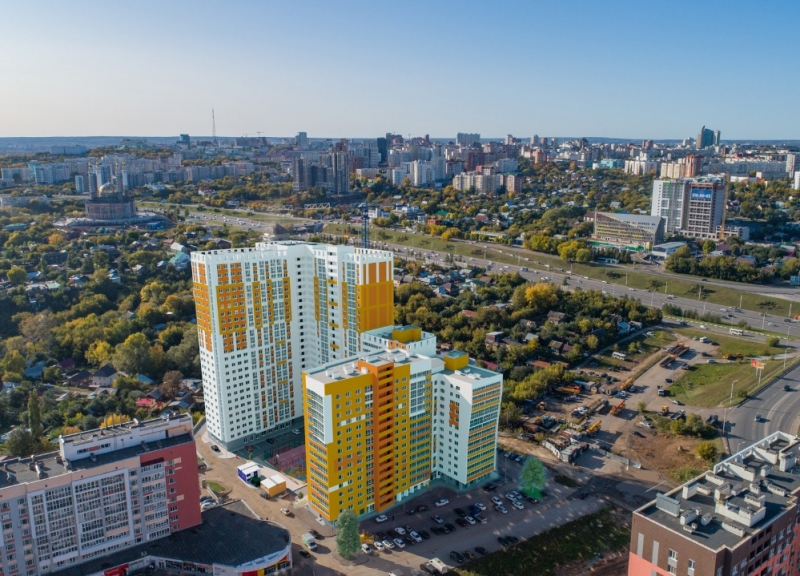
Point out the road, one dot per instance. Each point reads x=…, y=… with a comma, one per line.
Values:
x=559, y=507
x=779, y=409
x=538, y=270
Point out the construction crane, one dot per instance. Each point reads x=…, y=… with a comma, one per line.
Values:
x=724, y=207
x=364, y=225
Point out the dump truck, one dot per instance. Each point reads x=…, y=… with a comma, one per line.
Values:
x=310, y=541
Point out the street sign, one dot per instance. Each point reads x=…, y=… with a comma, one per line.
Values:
x=756, y=364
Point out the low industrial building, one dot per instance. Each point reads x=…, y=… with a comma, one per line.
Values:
x=667, y=249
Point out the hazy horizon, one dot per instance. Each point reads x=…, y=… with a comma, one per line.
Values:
x=658, y=71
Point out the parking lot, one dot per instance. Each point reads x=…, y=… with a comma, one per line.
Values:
x=268, y=446
x=560, y=505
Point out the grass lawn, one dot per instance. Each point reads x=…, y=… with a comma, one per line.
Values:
x=733, y=344
x=647, y=345
x=582, y=539
x=710, y=384
x=624, y=277
x=216, y=487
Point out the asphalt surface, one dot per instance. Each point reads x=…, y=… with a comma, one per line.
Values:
x=538, y=270
x=779, y=410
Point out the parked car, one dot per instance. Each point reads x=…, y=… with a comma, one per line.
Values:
x=469, y=519
x=518, y=505
x=389, y=544
x=497, y=501
x=481, y=550
x=480, y=506
x=304, y=553
x=468, y=554
x=381, y=518
x=399, y=543
x=450, y=527
x=215, y=448
x=490, y=487
x=424, y=534
x=438, y=519
x=366, y=548
x=502, y=509
x=415, y=537
x=457, y=557
x=462, y=522
x=460, y=512
x=286, y=512
x=379, y=546
x=400, y=530
x=480, y=518
x=422, y=508
x=442, y=502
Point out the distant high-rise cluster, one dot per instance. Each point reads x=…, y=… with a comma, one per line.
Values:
x=707, y=137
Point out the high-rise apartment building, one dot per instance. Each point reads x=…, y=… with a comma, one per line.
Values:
x=707, y=137
x=741, y=518
x=266, y=313
x=669, y=199
x=301, y=141
x=103, y=491
x=381, y=425
x=467, y=139
x=693, y=207
x=705, y=208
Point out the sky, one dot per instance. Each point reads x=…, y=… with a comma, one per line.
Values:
x=621, y=69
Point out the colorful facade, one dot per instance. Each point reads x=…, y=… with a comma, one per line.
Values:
x=381, y=425
x=267, y=313
x=104, y=491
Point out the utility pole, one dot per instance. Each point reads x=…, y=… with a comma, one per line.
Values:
x=786, y=351
x=666, y=284
x=740, y=300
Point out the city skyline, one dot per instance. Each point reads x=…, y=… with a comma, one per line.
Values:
x=327, y=70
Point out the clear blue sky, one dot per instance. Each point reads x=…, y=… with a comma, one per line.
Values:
x=351, y=68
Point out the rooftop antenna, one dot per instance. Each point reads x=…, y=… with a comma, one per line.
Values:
x=213, y=128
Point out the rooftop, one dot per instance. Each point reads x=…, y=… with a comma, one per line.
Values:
x=739, y=497
x=209, y=543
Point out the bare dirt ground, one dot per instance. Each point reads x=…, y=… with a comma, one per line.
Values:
x=661, y=453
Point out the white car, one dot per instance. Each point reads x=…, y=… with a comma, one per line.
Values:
x=497, y=501
x=442, y=502
x=389, y=544
x=518, y=505
x=400, y=530
x=703, y=327
x=379, y=546
x=469, y=519
x=414, y=536
x=366, y=549
x=381, y=518
x=399, y=542
x=480, y=506
x=502, y=509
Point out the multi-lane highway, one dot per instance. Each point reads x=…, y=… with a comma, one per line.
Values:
x=538, y=270
x=777, y=408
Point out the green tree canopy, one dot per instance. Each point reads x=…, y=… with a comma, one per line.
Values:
x=17, y=275
x=348, y=541
x=533, y=477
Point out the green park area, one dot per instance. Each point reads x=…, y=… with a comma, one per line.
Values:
x=709, y=384
x=620, y=278
x=584, y=539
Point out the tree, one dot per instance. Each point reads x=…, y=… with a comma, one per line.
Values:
x=510, y=413
x=99, y=352
x=583, y=255
x=34, y=415
x=20, y=442
x=533, y=477
x=642, y=407
x=348, y=541
x=707, y=451
x=133, y=355
x=17, y=275
x=709, y=246
x=171, y=383
x=772, y=342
